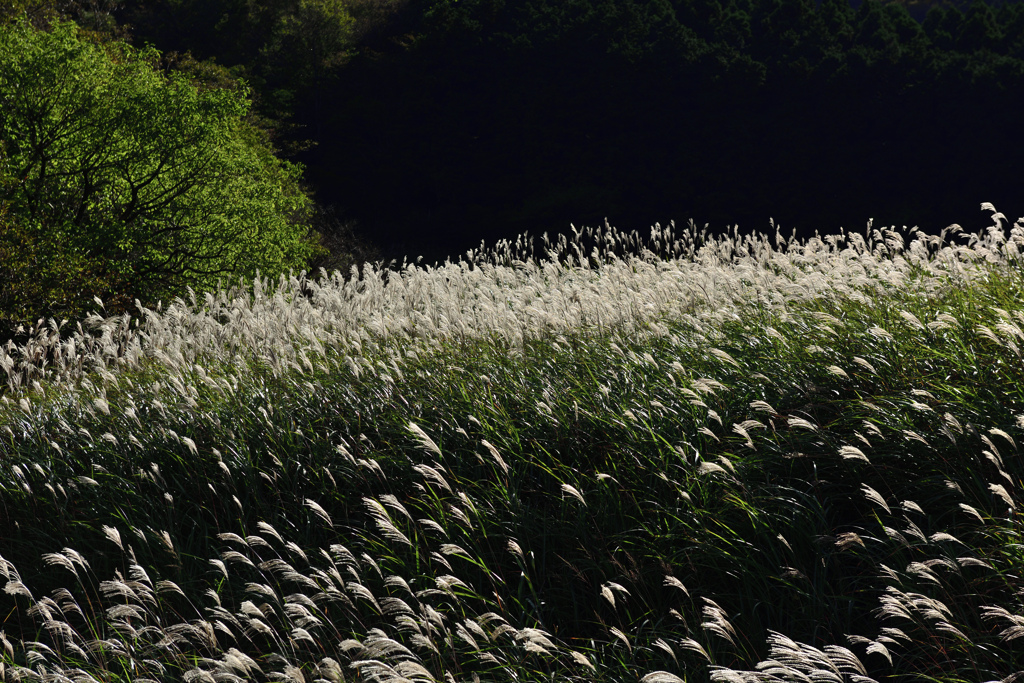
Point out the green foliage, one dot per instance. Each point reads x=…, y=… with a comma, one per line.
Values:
x=94, y=17
x=310, y=38
x=152, y=183
x=626, y=29
x=42, y=273
x=979, y=30
x=288, y=48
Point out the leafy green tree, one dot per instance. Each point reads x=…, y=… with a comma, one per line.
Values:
x=142, y=182
x=629, y=30
x=735, y=29
x=908, y=31
x=838, y=16
x=875, y=30
x=94, y=16
x=707, y=18
x=979, y=29
x=321, y=30
x=308, y=40
x=942, y=25
x=373, y=18
x=43, y=274
x=1011, y=22
x=288, y=50
x=791, y=33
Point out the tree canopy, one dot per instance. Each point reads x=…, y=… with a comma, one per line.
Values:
x=120, y=180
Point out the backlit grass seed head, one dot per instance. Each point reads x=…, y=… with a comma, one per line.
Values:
x=114, y=535
x=798, y=662
x=801, y=423
x=717, y=622
x=837, y=371
x=875, y=497
x=1001, y=492
x=514, y=294
x=424, y=440
x=621, y=637
x=581, y=659
x=853, y=453
x=693, y=646
x=661, y=677
x=294, y=607
x=384, y=523
x=574, y=492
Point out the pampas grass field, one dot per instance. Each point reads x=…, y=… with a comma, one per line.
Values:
x=676, y=457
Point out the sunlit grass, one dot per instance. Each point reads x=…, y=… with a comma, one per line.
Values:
x=682, y=457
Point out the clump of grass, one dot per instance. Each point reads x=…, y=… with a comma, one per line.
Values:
x=683, y=458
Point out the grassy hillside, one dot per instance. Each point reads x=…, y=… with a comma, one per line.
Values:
x=610, y=459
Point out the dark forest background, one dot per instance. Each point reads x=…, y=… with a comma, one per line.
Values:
x=426, y=126
x=451, y=121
